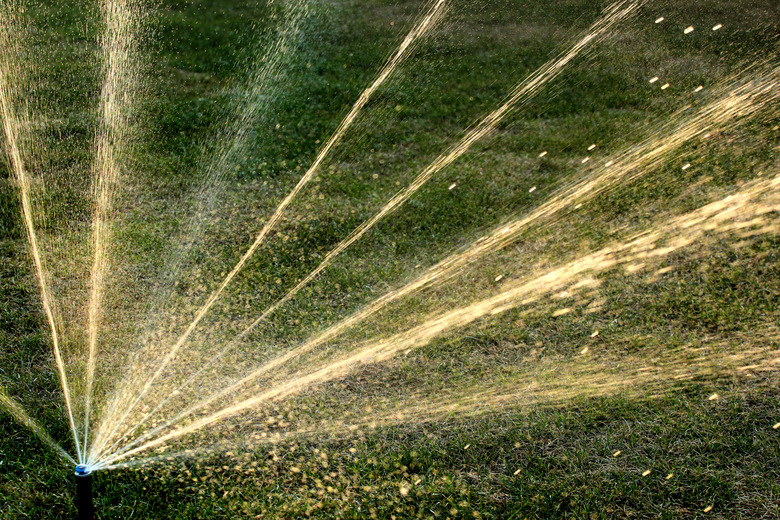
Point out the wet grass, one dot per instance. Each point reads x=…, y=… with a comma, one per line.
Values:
x=722, y=453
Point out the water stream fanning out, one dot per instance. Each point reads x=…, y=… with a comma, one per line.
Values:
x=184, y=311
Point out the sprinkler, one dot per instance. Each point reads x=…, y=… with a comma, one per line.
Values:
x=84, y=492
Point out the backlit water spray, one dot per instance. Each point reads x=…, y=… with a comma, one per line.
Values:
x=741, y=101
x=116, y=101
x=428, y=21
x=522, y=93
x=734, y=104
x=158, y=405
x=746, y=210
x=14, y=127
x=257, y=95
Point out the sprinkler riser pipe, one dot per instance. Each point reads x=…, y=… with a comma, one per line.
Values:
x=84, y=493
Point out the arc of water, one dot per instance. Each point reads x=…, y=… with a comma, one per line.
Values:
x=521, y=93
x=115, y=100
x=761, y=197
x=743, y=98
x=583, y=380
x=233, y=143
x=11, y=129
x=18, y=413
x=434, y=14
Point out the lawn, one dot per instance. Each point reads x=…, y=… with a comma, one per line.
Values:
x=642, y=385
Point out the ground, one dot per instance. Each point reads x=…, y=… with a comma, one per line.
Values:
x=702, y=446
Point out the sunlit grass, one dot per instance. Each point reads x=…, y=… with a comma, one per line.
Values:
x=521, y=461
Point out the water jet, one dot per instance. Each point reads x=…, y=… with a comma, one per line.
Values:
x=194, y=374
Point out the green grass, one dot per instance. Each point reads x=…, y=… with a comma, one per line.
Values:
x=720, y=295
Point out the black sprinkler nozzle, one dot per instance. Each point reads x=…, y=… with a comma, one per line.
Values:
x=84, y=492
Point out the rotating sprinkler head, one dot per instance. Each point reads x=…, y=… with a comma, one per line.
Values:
x=84, y=492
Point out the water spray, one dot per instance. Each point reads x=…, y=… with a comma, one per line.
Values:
x=84, y=492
